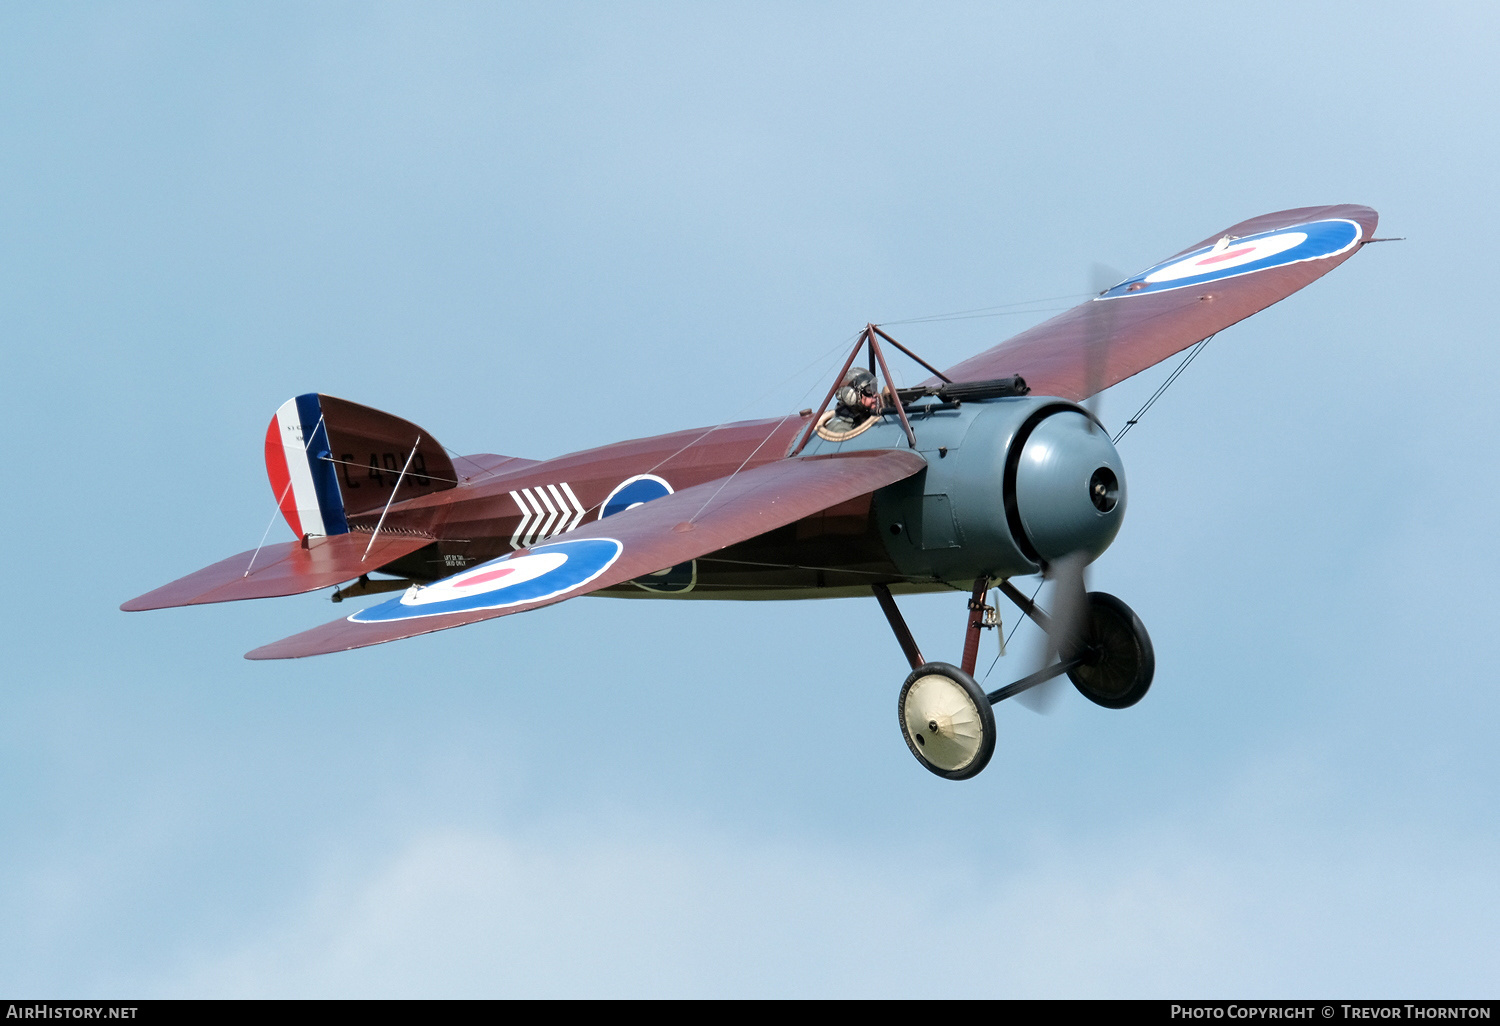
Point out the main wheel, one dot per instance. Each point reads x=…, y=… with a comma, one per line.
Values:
x=1119, y=660
x=947, y=721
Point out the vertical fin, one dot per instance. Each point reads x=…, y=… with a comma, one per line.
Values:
x=303, y=478
x=330, y=459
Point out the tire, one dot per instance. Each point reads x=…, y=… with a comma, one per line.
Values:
x=1119, y=673
x=947, y=721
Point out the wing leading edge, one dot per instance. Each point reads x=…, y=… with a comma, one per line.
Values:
x=661, y=533
x=1187, y=297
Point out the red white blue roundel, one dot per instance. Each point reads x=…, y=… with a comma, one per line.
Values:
x=631, y=493
x=545, y=572
x=1229, y=258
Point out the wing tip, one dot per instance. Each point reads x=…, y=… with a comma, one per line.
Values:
x=308, y=643
x=267, y=652
x=341, y=635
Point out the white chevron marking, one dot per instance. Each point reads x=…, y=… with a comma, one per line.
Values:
x=542, y=517
x=536, y=525
x=552, y=511
x=578, y=518
x=515, y=539
x=562, y=504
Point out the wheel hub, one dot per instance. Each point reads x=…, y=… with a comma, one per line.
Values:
x=944, y=721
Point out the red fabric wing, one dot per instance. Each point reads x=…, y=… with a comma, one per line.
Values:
x=1054, y=357
x=658, y=534
x=286, y=568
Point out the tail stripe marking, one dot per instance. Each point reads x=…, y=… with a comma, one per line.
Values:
x=325, y=481
x=281, y=478
x=304, y=495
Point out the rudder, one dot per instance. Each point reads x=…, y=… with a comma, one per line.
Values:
x=329, y=459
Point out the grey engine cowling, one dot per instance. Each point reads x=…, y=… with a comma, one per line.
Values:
x=1011, y=485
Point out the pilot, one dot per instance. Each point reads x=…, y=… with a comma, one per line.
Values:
x=857, y=402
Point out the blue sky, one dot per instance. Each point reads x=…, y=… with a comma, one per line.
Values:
x=534, y=230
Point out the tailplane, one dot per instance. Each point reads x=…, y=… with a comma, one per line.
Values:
x=285, y=568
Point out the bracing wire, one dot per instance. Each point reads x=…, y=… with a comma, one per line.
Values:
x=769, y=435
x=267, y=532
x=1019, y=618
x=1191, y=356
x=365, y=466
x=1029, y=306
x=279, y=500
x=1003, y=310
x=821, y=357
x=1006, y=309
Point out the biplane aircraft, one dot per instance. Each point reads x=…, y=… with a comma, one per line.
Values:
x=992, y=469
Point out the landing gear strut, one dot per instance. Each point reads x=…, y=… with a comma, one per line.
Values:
x=947, y=719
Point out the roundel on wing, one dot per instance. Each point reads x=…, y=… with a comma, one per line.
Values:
x=631, y=493
x=545, y=572
x=1229, y=258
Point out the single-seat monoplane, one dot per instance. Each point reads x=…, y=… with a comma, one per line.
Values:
x=991, y=469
